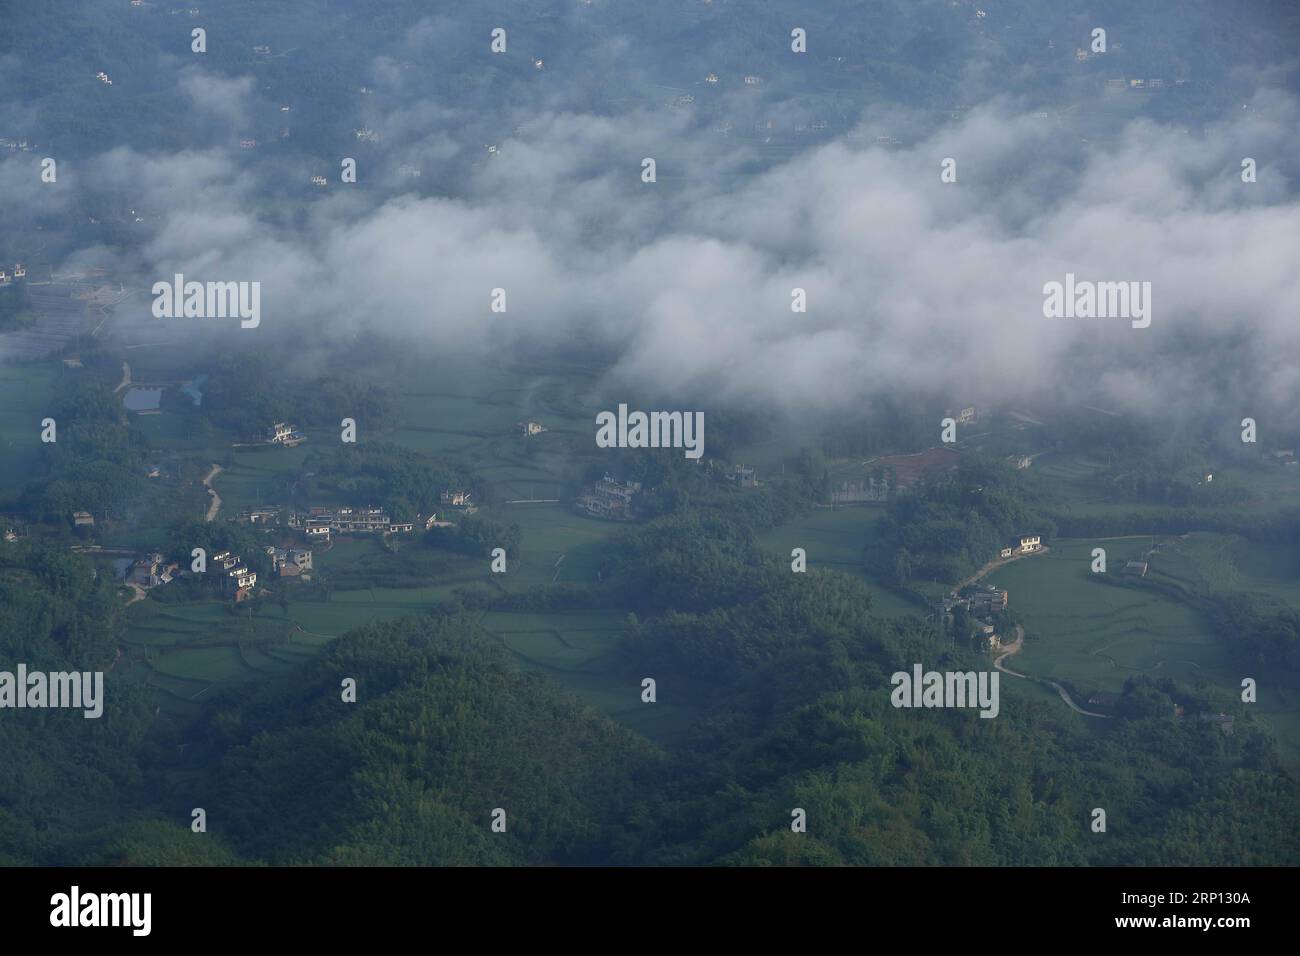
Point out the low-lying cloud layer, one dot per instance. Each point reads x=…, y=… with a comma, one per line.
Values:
x=912, y=284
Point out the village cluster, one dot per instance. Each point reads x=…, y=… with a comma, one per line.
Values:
x=292, y=558
x=984, y=603
x=302, y=530
x=610, y=498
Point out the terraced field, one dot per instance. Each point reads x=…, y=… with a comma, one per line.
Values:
x=1096, y=635
x=470, y=412
x=1076, y=479
x=559, y=545
x=445, y=407
x=1082, y=631
x=1204, y=563
x=188, y=653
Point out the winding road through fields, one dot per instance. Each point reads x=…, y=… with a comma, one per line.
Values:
x=1014, y=648
x=215, y=505
x=994, y=565
x=1018, y=644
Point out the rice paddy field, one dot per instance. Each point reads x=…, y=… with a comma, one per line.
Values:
x=443, y=408
x=559, y=544
x=189, y=652
x=1082, y=631
x=186, y=653
x=1076, y=480
x=470, y=413
x=1094, y=636
x=1204, y=563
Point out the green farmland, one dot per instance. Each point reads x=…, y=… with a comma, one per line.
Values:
x=1083, y=630
x=1076, y=481
x=1093, y=636
x=188, y=652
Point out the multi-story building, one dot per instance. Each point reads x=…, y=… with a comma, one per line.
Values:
x=320, y=523
x=290, y=562
x=861, y=490
x=235, y=576
x=1027, y=543
x=744, y=476
x=610, y=498
x=988, y=601
x=260, y=517
x=240, y=576
x=148, y=571
x=282, y=433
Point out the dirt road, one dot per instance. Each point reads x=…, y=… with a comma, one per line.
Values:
x=997, y=563
x=215, y=505
x=1014, y=648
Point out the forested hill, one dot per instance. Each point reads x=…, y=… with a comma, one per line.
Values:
x=445, y=731
x=65, y=778
x=794, y=693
